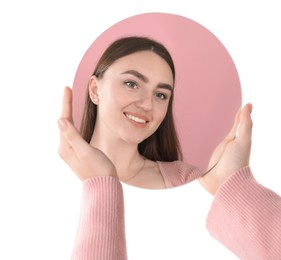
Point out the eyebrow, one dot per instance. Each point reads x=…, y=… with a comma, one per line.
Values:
x=146, y=80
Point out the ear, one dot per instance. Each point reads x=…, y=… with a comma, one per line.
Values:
x=93, y=90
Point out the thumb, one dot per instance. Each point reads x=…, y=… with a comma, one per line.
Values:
x=67, y=104
x=232, y=132
x=246, y=124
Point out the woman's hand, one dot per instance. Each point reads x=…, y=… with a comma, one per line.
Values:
x=232, y=153
x=85, y=160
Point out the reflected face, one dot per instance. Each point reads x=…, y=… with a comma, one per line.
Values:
x=133, y=94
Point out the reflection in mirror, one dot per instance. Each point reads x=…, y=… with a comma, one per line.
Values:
x=129, y=84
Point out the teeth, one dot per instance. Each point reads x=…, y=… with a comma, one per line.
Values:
x=136, y=119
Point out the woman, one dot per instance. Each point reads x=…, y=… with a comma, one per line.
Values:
x=132, y=87
x=130, y=136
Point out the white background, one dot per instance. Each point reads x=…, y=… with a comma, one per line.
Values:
x=42, y=43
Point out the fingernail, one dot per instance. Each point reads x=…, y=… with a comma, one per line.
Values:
x=251, y=108
x=62, y=124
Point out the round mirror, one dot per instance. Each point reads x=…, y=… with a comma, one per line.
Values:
x=207, y=90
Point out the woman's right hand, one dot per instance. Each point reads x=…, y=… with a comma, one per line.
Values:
x=85, y=160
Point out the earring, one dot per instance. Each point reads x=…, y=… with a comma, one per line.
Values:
x=95, y=100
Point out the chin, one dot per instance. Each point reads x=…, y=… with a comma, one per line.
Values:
x=134, y=139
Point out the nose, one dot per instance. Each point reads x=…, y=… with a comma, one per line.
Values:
x=145, y=101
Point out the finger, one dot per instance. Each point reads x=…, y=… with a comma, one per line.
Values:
x=67, y=153
x=65, y=150
x=67, y=104
x=246, y=123
x=232, y=133
x=72, y=138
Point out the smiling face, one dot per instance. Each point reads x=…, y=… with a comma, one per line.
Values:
x=133, y=96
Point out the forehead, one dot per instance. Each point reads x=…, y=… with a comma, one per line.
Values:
x=146, y=62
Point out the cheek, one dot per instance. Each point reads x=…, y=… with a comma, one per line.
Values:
x=164, y=110
x=108, y=96
x=160, y=113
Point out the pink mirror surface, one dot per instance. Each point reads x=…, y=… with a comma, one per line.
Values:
x=207, y=89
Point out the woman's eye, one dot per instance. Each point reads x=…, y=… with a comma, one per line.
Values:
x=161, y=96
x=131, y=84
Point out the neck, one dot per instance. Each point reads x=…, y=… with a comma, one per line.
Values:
x=124, y=156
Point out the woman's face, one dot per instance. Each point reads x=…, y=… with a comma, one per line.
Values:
x=133, y=96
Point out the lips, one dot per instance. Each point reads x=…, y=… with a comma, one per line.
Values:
x=137, y=118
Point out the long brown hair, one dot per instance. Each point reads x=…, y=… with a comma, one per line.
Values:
x=163, y=144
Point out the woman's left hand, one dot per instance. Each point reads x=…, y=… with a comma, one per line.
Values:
x=232, y=153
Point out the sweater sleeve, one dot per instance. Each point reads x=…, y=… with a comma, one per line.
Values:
x=101, y=228
x=246, y=217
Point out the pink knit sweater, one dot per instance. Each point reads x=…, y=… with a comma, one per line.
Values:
x=244, y=216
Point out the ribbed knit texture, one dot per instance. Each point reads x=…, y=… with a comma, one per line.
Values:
x=246, y=217
x=101, y=229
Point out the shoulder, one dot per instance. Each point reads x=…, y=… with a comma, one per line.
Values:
x=177, y=173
